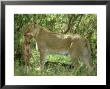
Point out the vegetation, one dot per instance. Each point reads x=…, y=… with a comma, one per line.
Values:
x=83, y=24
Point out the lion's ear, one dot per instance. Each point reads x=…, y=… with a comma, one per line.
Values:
x=35, y=24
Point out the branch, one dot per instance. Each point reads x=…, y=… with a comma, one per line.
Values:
x=80, y=18
x=71, y=22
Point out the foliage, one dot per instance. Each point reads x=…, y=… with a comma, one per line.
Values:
x=83, y=24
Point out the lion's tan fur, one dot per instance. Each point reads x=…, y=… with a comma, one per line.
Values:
x=48, y=42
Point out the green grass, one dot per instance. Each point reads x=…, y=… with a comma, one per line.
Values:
x=51, y=69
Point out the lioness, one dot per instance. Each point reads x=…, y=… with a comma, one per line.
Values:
x=48, y=42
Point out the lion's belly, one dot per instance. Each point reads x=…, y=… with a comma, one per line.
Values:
x=57, y=51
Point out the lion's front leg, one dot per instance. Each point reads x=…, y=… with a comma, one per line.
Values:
x=42, y=58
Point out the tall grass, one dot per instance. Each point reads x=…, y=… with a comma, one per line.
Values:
x=54, y=68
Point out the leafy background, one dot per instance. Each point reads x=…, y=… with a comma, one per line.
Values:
x=83, y=24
